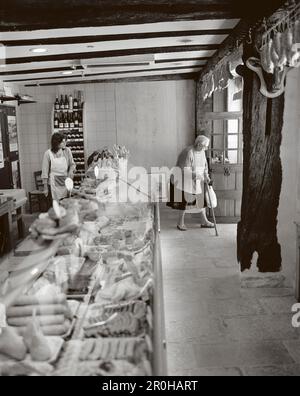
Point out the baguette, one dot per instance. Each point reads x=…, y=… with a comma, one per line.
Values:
x=46, y=300
x=42, y=320
x=54, y=330
x=27, y=310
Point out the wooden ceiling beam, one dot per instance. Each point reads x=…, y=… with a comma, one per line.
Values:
x=163, y=77
x=87, y=74
x=54, y=14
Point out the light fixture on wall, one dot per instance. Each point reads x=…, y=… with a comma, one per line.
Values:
x=67, y=73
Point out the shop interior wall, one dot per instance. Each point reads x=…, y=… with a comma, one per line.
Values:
x=289, y=209
x=155, y=120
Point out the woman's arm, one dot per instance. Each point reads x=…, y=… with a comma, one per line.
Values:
x=206, y=173
x=46, y=172
x=190, y=163
x=71, y=162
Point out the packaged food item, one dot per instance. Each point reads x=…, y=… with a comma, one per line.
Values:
x=36, y=342
x=11, y=344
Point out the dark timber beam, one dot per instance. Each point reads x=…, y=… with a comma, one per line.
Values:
x=51, y=14
x=171, y=77
x=113, y=53
x=107, y=73
x=262, y=178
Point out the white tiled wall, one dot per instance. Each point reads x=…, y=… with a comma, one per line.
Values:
x=35, y=123
x=172, y=120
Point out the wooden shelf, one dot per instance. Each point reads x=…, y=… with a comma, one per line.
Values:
x=68, y=111
x=24, y=100
x=4, y=98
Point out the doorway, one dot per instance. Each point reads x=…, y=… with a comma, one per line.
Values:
x=226, y=153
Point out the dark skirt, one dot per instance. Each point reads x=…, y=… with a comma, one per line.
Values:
x=180, y=200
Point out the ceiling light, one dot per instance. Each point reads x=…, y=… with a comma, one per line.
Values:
x=39, y=50
x=67, y=72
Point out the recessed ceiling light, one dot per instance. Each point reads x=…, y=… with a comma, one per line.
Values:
x=39, y=50
x=67, y=72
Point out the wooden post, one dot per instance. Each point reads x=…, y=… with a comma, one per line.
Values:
x=257, y=230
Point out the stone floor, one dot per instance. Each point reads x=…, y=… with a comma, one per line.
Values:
x=216, y=327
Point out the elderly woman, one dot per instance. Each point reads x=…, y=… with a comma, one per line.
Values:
x=187, y=182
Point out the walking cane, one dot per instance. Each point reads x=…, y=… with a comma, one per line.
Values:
x=212, y=209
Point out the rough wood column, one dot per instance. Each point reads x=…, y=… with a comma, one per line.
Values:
x=257, y=231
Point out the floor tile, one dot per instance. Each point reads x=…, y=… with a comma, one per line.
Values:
x=240, y=354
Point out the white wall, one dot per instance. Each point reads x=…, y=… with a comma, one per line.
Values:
x=289, y=209
x=155, y=120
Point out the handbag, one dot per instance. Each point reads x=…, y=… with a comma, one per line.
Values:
x=212, y=203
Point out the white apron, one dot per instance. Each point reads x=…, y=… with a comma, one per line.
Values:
x=58, y=175
x=200, y=164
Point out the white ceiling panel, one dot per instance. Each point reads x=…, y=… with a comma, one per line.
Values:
x=25, y=51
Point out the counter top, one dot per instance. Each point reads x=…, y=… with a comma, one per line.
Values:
x=18, y=195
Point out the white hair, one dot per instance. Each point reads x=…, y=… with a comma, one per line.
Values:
x=203, y=140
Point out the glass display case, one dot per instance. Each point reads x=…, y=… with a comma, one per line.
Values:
x=89, y=300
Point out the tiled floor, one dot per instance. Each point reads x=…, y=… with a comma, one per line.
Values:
x=214, y=326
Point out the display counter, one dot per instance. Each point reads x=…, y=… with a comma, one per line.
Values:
x=91, y=294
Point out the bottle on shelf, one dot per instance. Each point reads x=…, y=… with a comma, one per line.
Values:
x=56, y=120
x=66, y=121
x=71, y=120
x=80, y=122
x=76, y=121
x=71, y=102
x=56, y=104
x=61, y=103
x=61, y=121
x=75, y=104
x=66, y=102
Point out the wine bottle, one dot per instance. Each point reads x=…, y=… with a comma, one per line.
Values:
x=56, y=104
x=66, y=103
x=76, y=121
x=80, y=122
x=56, y=120
x=66, y=121
x=71, y=120
x=71, y=102
x=75, y=104
x=61, y=121
x=61, y=103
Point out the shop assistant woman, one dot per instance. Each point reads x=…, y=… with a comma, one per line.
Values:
x=58, y=164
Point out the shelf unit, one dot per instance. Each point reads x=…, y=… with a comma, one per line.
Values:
x=76, y=141
x=16, y=98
